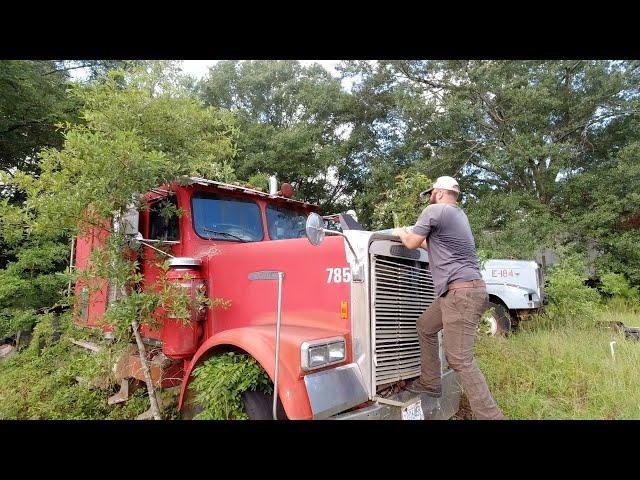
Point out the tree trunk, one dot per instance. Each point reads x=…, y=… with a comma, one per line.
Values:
x=155, y=411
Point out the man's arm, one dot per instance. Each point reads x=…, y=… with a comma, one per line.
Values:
x=409, y=239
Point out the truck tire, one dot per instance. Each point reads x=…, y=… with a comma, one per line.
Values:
x=259, y=406
x=190, y=408
x=496, y=321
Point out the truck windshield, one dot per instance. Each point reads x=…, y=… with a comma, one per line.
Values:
x=226, y=218
x=285, y=223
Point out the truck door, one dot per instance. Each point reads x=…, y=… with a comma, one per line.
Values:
x=162, y=225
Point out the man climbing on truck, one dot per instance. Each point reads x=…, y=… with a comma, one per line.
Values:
x=443, y=228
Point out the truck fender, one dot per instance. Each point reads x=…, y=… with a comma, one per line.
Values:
x=496, y=299
x=512, y=312
x=511, y=296
x=259, y=342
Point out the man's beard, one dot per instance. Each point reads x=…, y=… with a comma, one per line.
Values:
x=433, y=200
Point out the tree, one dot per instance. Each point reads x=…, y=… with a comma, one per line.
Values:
x=123, y=149
x=33, y=99
x=516, y=134
x=293, y=122
x=401, y=206
x=516, y=125
x=605, y=206
x=97, y=69
x=125, y=129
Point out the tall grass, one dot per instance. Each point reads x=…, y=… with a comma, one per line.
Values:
x=565, y=371
x=51, y=380
x=629, y=315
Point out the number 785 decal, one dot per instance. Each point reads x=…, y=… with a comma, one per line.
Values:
x=339, y=275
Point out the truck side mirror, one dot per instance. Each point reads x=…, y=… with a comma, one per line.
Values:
x=315, y=233
x=130, y=222
x=314, y=229
x=127, y=223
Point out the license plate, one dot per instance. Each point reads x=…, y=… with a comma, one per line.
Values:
x=413, y=412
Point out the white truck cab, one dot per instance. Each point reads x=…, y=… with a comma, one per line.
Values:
x=515, y=288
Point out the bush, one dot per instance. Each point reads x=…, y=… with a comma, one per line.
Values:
x=220, y=382
x=621, y=295
x=11, y=322
x=570, y=300
x=53, y=379
x=400, y=205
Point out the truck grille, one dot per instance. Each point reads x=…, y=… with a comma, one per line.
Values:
x=402, y=290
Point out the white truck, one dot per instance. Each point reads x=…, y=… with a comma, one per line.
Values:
x=516, y=290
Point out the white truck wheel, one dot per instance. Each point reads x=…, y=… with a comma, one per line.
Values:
x=496, y=321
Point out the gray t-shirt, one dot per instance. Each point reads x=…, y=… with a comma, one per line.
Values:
x=451, y=248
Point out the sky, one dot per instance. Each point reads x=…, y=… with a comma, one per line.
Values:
x=199, y=68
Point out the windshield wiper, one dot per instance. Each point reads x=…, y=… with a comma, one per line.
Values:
x=217, y=232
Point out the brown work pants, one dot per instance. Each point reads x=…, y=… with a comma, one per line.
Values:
x=457, y=314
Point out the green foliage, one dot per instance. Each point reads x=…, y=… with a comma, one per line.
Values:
x=510, y=224
x=616, y=285
x=98, y=70
x=621, y=295
x=604, y=200
x=12, y=225
x=401, y=206
x=126, y=130
x=13, y=321
x=32, y=100
x=54, y=379
x=259, y=181
x=292, y=123
x=220, y=381
x=546, y=151
x=570, y=300
x=33, y=282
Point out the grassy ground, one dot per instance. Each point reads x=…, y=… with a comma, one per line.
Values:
x=544, y=371
x=630, y=319
x=549, y=372
x=56, y=380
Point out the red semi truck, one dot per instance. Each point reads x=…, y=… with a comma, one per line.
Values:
x=331, y=320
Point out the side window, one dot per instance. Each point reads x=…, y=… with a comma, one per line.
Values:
x=164, y=220
x=285, y=223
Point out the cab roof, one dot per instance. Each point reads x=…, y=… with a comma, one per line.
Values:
x=245, y=190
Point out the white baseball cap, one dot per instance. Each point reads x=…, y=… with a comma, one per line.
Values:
x=445, y=183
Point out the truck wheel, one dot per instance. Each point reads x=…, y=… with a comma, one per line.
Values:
x=190, y=408
x=259, y=406
x=496, y=321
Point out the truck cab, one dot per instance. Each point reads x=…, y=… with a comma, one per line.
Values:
x=515, y=289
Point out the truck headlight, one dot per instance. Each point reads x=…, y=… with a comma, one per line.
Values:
x=320, y=353
x=318, y=356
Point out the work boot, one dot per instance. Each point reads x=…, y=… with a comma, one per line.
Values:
x=415, y=386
